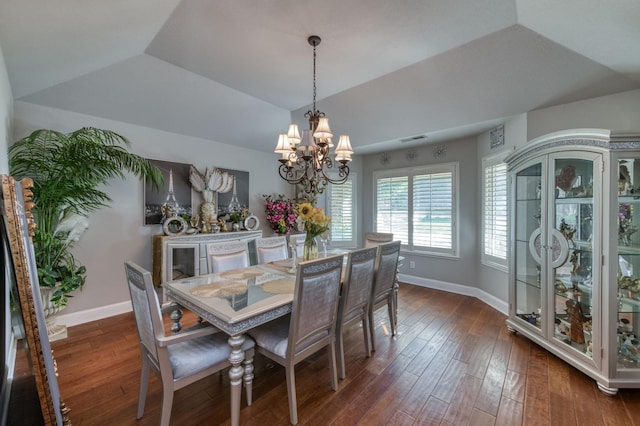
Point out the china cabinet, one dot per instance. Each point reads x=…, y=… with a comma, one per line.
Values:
x=574, y=265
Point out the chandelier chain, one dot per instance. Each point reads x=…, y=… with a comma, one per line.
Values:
x=314, y=78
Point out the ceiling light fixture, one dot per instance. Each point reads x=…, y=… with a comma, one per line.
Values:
x=306, y=160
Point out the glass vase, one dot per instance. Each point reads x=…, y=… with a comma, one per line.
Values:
x=310, y=251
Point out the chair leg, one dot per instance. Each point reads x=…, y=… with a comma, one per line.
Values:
x=391, y=314
x=291, y=393
x=248, y=379
x=372, y=333
x=340, y=353
x=144, y=384
x=332, y=365
x=366, y=332
x=167, y=402
x=396, y=286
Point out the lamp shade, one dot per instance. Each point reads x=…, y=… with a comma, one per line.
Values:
x=293, y=134
x=344, y=150
x=283, y=146
x=323, y=131
x=307, y=146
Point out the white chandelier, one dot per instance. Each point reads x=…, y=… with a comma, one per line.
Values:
x=306, y=160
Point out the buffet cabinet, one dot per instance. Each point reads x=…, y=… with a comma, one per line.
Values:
x=574, y=259
x=183, y=256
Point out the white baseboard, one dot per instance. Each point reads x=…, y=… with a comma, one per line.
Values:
x=94, y=314
x=497, y=304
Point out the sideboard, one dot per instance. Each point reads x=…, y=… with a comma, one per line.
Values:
x=184, y=256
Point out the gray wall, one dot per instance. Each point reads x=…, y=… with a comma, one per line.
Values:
x=462, y=270
x=118, y=233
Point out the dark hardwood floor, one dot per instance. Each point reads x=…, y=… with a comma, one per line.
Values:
x=453, y=363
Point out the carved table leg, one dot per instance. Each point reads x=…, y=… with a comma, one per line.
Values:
x=176, y=316
x=248, y=380
x=235, y=375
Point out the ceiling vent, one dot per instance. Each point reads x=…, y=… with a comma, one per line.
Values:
x=419, y=138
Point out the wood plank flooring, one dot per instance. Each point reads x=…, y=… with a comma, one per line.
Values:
x=453, y=363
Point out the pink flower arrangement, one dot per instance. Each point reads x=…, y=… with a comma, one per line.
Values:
x=281, y=214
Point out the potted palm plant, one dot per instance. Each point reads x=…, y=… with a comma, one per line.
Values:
x=68, y=171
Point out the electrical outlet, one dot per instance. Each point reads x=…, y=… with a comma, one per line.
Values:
x=412, y=264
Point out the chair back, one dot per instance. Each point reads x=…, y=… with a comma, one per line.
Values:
x=373, y=239
x=270, y=249
x=386, y=268
x=297, y=241
x=356, y=289
x=146, y=308
x=226, y=255
x=315, y=305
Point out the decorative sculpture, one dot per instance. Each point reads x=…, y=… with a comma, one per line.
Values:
x=209, y=183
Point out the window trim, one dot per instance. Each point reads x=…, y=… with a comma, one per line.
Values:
x=487, y=259
x=427, y=169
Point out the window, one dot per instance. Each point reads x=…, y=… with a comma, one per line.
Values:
x=494, y=212
x=419, y=206
x=340, y=204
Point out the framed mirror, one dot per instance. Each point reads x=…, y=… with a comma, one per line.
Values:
x=28, y=326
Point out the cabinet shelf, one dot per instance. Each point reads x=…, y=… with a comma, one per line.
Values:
x=529, y=280
x=574, y=200
x=630, y=306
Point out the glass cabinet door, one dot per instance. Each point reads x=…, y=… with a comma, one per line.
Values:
x=572, y=259
x=628, y=282
x=182, y=261
x=528, y=244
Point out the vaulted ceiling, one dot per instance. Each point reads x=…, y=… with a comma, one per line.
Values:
x=239, y=71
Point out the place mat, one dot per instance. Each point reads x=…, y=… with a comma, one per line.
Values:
x=219, y=289
x=241, y=274
x=280, y=286
x=284, y=263
x=281, y=265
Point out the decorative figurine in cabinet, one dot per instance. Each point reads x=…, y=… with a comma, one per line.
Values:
x=574, y=265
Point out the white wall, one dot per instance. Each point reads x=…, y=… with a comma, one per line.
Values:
x=6, y=110
x=117, y=234
x=617, y=112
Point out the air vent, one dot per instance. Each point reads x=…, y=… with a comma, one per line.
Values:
x=419, y=138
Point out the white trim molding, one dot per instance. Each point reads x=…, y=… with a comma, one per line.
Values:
x=497, y=304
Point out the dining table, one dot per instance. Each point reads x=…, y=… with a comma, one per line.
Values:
x=238, y=300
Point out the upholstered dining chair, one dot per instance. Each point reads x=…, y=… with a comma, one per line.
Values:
x=225, y=255
x=372, y=239
x=297, y=241
x=270, y=249
x=179, y=359
x=355, y=297
x=310, y=327
x=383, y=286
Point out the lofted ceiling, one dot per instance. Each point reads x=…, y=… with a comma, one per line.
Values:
x=239, y=71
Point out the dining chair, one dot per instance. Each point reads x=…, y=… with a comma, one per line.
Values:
x=297, y=241
x=179, y=359
x=225, y=255
x=383, y=286
x=310, y=326
x=372, y=239
x=355, y=297
x=270, y=249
